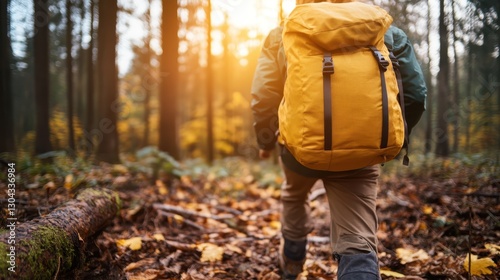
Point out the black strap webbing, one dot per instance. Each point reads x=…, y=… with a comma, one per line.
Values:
x=395, y=65
x=383, y=64
x=328, y=70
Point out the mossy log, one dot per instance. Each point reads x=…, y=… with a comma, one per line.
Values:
x=48, y=246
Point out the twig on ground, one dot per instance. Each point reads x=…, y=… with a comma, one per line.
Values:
x=189, y=213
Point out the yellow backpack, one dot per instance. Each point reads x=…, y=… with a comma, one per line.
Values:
x=341, y=106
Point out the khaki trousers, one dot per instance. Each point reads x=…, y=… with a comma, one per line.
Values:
x=352, y=201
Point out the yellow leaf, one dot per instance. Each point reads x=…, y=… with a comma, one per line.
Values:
x=178, y=218
x=427, y=209
x=479, y=266
x=494, y=249
x=162, y=189
x=391, y=273
x=120, y=168
x=275, y=224
x=210, y=252
x=159, y=237
x=409, y=255
x=134, y=243
x=68, y=182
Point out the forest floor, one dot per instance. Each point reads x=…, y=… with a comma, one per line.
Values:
x=222, y=222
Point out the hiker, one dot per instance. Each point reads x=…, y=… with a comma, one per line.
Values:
x=351, y=193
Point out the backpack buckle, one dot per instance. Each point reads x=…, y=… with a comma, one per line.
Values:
x=328, y=67
x=394, y=60
x=382, y=62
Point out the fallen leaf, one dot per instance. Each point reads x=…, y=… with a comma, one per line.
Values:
x=409, y=255
x=120, y=169
x=162, y=189
x=426, y=209
x=275, y=224
x=210, y=252
x=234, y=248
x=134, y=243
x=391, y=273
x=68, y=182
x=178, y=218
x=479, y=266
x=149, y=274
x=120, y=180
x=139, y=264
x=494, y=249
x=49, y=186
x=159, y=237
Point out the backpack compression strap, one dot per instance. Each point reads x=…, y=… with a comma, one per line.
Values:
x=395, y=66
x=382, y=65
x=328, y=70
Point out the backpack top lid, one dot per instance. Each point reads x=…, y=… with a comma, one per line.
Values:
x=334, y=26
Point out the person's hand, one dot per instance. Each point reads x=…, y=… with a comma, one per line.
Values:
x=265, y=154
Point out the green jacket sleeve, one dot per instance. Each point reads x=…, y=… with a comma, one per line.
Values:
x=267, y=90
x=414, y=88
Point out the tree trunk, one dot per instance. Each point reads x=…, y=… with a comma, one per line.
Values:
x=430, y=92
x=442, y=146
x=210, y=90
x=147, y=70
x=470, y=75
x=169, y=72
x=89, y=147
x=69, y=79
x=6, y=104
x=456, y=91
x=51, y=245
x=107, y=149
x=41, y=61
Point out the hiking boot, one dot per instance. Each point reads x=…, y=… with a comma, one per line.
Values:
x=358, y=267
x=292, y=256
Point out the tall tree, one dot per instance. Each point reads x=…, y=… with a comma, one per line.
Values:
x=41, y=61
x=69, y=78
x=107, y=149
x=146, y=64
x=209, y=86
x=442, y=146
x=456, y=75
x=90, y=82
x=169, y=72
x=6, y=104
x=428, y=80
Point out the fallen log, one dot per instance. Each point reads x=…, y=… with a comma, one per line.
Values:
x=51, y=245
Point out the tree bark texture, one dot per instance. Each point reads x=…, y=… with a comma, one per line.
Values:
x=210, y=90
x=41, y=61
x=52, y=245
x=169, y=72
x=6, y=104
x=107, y=122
x=69, y=79
x=442, y=144
x=89, y=148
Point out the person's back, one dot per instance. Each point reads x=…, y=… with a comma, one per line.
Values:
x=351, y=193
